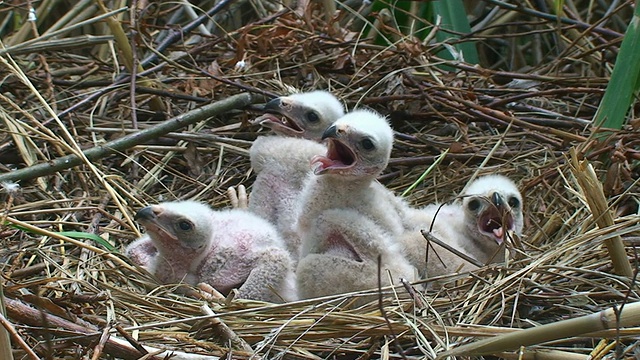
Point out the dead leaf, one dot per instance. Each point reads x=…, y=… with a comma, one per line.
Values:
x=194, y=160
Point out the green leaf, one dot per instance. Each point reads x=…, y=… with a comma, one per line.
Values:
x=624, y=82
x=74, y=235
x=557, y=7
x=83, y=235
x=454, y=18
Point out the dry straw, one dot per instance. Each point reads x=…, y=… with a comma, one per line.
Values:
x=592, y=192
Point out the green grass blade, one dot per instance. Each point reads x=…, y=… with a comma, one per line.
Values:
x=415, y=20
x=624, y=83
x=76, y=235
x=425, y=173
x=454, y=18
x=83, y=235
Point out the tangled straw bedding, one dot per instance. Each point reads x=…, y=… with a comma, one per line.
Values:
x=451, y=125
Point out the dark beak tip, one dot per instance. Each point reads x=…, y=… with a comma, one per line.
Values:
x=273, y=104
x=145, y=213
x=331, y=132
x=496, y=198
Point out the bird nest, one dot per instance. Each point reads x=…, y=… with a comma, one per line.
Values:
x=104, y=153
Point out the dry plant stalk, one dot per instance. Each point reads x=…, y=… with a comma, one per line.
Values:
x=5, y=343
x=592, y=190
x=126, y=142
x=127, y=55
x=225, y=333
x=611, y=318
x=543, y=354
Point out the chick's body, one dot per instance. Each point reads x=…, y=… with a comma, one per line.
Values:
x=226, y=249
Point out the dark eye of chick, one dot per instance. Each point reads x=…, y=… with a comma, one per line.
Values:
x=367, y=144
x=514, y=202
x=312, y=116
x=473, y=205
x=185, y=225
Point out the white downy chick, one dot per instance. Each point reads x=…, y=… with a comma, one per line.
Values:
x=225, y=249
x=342, y=222
x=343, y=249
x=281, y=162
x=358, y=150
x=142, y=251
x=490, y=210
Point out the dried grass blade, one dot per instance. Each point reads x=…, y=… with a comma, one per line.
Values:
x=592, y=190
x=60, y=44
x=128, y=56
x=610, y=318
x=117, y=347
x=8, y=47
x=544, y=354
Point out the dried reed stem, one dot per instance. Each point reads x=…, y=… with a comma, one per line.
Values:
x=610, y=318
x=543, y=354
x=116, y=347
x=592, y=190
x=126, y=142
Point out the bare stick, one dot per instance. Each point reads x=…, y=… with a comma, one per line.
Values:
x=128, y=141
x=430, y=237
x=177, y=35
x=5, y=343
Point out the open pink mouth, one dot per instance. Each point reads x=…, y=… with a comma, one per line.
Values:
x=494, y=221
x=279, y=122
x=339, y=157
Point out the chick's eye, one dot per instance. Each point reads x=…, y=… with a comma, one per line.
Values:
x=514, y=202
x=185, y=225
x=312, y=116
x=473, y=205
x=367, y=144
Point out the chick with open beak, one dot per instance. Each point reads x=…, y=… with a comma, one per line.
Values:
x=493, y=207
x=353, y=153
x=303, y=115
x=344, y=219
x=477, y=226
x=281, y=161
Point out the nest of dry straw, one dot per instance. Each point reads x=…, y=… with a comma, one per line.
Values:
x=69, y=296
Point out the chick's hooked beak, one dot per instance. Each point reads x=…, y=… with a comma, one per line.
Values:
x=145, y=214
x=330, y=132
x=497, y=200
x=340, y=158
x=148, y=217
x=495, y=220
x=281, y=116
x=273, y=105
